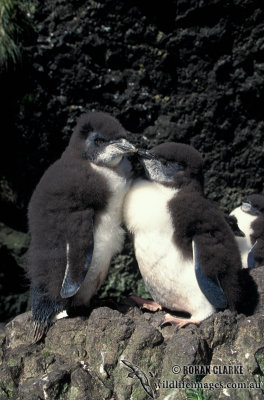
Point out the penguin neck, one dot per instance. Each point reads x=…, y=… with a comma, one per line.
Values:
x=244, y=221
x=187, y=184
x=123, y=168
x=72, y=152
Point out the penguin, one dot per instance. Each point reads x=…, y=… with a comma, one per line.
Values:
x=232, y=222
x=74, y=218
x=250, y=219
x=186, y=251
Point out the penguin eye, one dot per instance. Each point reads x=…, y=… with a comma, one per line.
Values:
x=163, y=161
x=168, y=165
x=99, y=141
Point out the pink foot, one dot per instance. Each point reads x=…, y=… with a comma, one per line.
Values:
x=179, y=322
x=146, y=304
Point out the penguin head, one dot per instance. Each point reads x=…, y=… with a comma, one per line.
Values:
x=172, y=163
x=101, y=139
x=253, y=204
x=233, y=223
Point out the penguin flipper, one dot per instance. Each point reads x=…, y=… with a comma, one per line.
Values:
x=210, y=287
x=250, y=258
x=79, y=250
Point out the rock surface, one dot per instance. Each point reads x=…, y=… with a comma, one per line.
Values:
x=81, y=357
x=190, y=72
x=13, y=285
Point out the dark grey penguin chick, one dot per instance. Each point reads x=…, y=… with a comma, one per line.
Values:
x=75, y=218
x=186, y=251
x=250, y=219
x=232, y=222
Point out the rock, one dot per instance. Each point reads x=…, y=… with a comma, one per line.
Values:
x=189, y=63
x=258, y=277
x=98, y=357
x=14, y=295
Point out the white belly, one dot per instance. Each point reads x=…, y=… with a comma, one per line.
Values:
x=169, y=277
x=108, y=237
x=244, y=222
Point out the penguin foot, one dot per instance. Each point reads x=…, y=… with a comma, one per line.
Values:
x=146, y=304
x=38, y=331
x=44, y=310
x=179, y=322
x=40, y=328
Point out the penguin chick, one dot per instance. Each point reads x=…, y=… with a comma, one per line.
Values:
x=75, y=218
x=186, y=251
x=232, y=222
x=250, y=219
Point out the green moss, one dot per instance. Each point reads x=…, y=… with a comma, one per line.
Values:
x=260, y=359
x=138, y=392
x=196, y=394
x=7, y=193
x=13, y=362
x=15, y=241
x=123, y=279
x=259, y=377
x=7, y=389
x=28, y=98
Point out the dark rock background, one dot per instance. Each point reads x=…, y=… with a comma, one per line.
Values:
x=177, y=70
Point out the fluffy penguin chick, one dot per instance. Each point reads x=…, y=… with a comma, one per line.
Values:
x=250, y=220
x=186, y=251
x=75, y=218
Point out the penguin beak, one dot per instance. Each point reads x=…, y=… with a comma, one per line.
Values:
x=124, y=146
x=239, y=233
x=248, y=208
x=155, y=169
x=145, y=154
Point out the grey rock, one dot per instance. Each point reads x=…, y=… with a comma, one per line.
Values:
x=82, y=357
x=258, y=276
x=13, y=287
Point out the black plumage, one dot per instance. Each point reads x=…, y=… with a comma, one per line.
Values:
x=186, y=250
x=65, y=211
x=232, y=222
x=198, y=219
